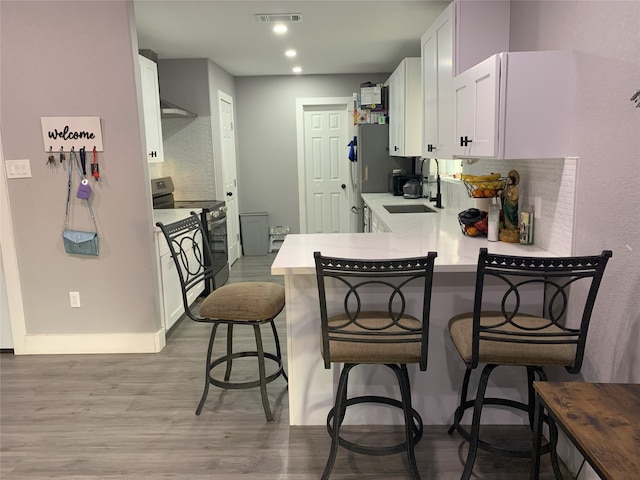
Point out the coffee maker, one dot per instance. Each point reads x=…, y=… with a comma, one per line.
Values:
x=398, y=181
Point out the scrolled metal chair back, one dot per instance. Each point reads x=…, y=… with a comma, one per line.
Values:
x=191, y=254
x=389, y=279
x=554, y=277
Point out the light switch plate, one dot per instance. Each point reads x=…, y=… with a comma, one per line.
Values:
x=18, y=168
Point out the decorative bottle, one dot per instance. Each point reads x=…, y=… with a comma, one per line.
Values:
x=494, y=222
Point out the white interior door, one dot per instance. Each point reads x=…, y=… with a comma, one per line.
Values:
x=229, y=174
x=326, y=166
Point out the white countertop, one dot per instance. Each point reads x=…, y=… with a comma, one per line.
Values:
x=413, y=234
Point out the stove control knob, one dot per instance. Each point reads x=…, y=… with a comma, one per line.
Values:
x=215, y=214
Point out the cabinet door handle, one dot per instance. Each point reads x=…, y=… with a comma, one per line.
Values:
x=395, y=149
x=430, y=148
x=465, y=141
x=153, y=154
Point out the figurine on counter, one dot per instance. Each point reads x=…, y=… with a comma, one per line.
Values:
x=510, y=195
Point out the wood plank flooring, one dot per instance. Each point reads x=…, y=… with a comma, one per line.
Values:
x=132, y=416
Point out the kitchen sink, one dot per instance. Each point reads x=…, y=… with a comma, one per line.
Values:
x=414, y=208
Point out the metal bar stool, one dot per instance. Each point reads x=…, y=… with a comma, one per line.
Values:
x=517, y=334
x=380, y=333
x=236, y=304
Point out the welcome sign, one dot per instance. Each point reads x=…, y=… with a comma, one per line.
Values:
x=64, y=133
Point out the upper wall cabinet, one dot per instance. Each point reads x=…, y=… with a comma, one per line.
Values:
x=464, y=34
x=151, y=107
x=405, y=109
x=514, y=105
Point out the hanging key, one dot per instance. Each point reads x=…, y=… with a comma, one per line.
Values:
x=51, y=161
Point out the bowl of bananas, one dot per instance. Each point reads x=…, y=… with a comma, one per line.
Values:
x=484, y=186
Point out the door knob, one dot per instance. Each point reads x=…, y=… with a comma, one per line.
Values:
x=344, y=186
x=229, y=194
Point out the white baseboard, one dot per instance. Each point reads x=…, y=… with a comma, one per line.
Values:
x=91, y=343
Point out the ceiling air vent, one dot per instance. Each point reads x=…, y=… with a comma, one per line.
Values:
x=278, y=17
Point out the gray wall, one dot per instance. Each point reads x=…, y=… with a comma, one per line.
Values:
x=185, y=82
x=191, y=146
x=77, y=59
x=118, y=288
x=605, y=35
x=267, y=155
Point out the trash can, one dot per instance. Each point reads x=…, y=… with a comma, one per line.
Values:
x=254, y=232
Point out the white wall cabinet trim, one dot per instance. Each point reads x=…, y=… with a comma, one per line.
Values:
x=514, y=105
x=405, y=109
x=463, y=35
x=151, y=108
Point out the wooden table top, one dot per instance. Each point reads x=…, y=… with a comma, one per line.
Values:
x=602, y=420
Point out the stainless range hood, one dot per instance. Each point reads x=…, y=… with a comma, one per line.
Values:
x=169, y=110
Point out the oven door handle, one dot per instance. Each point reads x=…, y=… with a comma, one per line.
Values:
x=217, y=221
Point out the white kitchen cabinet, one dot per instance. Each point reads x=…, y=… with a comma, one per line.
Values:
x=151, y=108
x=514, y=105
x=377, y=225
x=464, y=34
x=405, y=109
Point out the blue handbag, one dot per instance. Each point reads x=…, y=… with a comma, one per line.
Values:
x=79, y=242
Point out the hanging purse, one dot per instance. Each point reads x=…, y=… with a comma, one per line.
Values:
x=77, y=241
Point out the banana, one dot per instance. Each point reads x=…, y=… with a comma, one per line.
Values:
x=480, y=178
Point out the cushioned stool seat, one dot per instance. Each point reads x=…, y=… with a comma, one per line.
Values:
x=345, y=351
x=248, y=301
x=519, y=352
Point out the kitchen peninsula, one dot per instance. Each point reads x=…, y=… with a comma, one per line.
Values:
x=435, y=392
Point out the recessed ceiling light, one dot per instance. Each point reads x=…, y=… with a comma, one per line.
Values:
x=280, y=28
x=291, y=53
x=297, y=69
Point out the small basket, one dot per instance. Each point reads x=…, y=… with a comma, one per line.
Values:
x=468, y=225
x=489, y=189
x=470, y=230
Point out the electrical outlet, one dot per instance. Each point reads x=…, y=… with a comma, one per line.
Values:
x=74, y=299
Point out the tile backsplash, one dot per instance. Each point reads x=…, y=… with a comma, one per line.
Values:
x=188, y=157
x=551, y=181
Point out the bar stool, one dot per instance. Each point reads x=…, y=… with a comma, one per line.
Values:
x=236, y=304
x=525, y=333
x=382, y=332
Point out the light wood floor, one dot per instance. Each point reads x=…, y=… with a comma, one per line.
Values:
x=132, y=417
